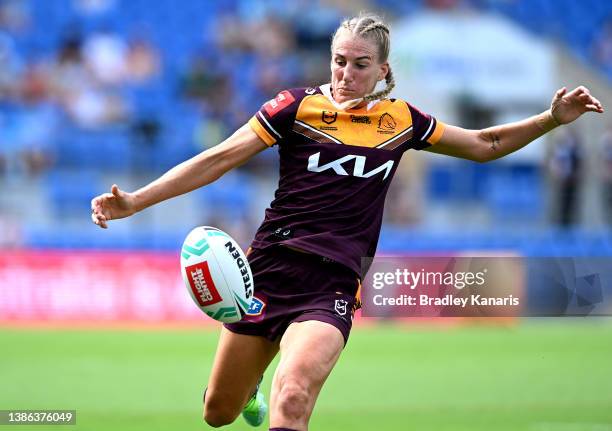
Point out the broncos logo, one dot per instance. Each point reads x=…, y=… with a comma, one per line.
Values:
x=387, y=122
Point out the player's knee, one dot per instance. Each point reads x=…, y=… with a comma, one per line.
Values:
x=217, y=414
x=293, y=400
x=218, y=418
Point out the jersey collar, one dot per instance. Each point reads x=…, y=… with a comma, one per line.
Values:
x=326, y=90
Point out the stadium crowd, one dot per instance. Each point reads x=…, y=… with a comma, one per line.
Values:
x=81, y=79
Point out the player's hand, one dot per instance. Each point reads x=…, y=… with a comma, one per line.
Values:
x=111, y=206
x=566, y=107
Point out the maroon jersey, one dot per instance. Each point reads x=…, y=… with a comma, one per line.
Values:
x=335, y=169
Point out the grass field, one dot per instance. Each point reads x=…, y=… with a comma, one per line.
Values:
x=538, y=375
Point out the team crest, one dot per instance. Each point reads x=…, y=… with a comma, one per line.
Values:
x=329, y=117
x=386, y=122
x=340, y=306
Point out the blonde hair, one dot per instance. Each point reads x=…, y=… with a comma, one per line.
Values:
x=373, y=28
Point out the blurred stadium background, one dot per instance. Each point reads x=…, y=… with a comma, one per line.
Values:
x=96, y=92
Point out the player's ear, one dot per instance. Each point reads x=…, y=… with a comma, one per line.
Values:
x=384, y=69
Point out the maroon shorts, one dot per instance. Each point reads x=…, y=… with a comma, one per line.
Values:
x=291, y=286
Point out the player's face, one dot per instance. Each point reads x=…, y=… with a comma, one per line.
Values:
x=355, y=67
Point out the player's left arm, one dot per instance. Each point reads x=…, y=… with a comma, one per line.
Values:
x=497, y=141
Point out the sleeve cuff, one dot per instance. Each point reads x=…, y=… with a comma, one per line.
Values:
x=437, y=133
x=261, y=132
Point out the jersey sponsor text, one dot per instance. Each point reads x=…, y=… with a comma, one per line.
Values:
x=358, y=168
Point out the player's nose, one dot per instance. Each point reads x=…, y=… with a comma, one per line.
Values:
x=347, y=74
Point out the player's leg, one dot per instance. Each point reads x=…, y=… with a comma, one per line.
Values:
x=239, y=362
x=309, y=351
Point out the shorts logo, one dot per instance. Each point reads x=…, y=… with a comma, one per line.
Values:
x=329, y=117
x=280, y=102
x=256, y=308
x=340, y=306
x=202, y=285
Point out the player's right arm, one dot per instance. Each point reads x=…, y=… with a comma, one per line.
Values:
x=196, y=172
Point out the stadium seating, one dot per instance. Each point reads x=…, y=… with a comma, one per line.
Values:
x=179, y=33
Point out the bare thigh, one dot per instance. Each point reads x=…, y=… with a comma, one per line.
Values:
x=239, y=362
x=309, y=351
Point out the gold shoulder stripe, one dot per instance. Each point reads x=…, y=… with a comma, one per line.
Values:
x=261, y=132
x=398, y=140
x=314, y=134
x=437, y=134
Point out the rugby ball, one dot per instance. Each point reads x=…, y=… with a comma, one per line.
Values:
x=217, y=274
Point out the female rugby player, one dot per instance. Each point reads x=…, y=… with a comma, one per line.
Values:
x=339, y=146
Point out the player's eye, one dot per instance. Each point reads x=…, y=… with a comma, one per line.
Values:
x=340, y=62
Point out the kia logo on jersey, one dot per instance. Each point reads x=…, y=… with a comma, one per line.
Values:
x=358, y=168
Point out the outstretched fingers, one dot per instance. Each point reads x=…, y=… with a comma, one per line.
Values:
x=99, y=219
x=594, y=105
x=594, y=108
x=590, y=103
x=97, y=211
x=560, y=93
x=583, y=96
